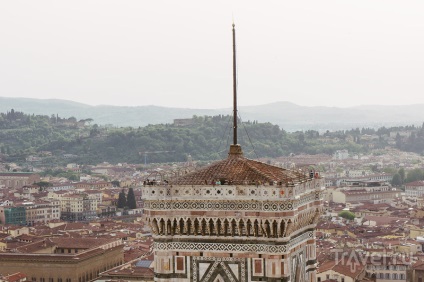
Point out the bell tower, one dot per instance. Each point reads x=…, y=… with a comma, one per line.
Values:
x=236, y=220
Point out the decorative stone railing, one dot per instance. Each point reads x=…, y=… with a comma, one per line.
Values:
x=240, y=192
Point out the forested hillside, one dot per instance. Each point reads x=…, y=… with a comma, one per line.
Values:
x=287, y=115
x=52, y=139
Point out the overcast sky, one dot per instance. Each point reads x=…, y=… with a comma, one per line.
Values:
x=178, y=53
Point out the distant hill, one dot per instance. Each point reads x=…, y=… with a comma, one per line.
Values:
x=287, y=115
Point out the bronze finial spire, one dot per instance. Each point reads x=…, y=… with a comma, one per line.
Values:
x=235, y=149
x=234, y=88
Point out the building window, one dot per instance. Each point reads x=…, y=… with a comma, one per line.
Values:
x=257, y=266
x=179, y=264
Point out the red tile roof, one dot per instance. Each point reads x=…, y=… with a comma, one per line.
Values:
x=237, y=169
x=15, y=277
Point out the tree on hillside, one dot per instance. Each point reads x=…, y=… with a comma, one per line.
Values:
x=131, y=203
x=402, y=174
x=347, y=215
x=122, y=200
x=43, y=185
x=414, y=175
x=398, y=141
x=397, y=180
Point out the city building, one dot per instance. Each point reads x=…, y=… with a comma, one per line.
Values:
x=13, y=215
x=76, y=207
x=386, y=269
x=414, y=189
x=64, y=259
x=42, y=211
x=18, y=179
x=365, y=191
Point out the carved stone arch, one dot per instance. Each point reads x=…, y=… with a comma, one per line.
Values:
x=261, y=230
x=316, y=215
x=249, y=227
x=310, y=216
x=180, y=226
x=155, y=226
x=300, y=220
x=293, y=224
x=196, y=226
x=211, y=227
x=161, y=226
x=203, y=226
x=290, y=227
x=303, y=221
x=241, y=227
x=190, y=226
x=256, y=228
x=174, y=230
x=226, y=227
x=169, y=227
x=274, y=229
x=232, y=226
x=296, y=223
x=266, y=226
x=282, y=228
x=218, y=227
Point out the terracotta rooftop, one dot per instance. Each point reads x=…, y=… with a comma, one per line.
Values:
x=18, y=276
x=418, y=183
x=79, y=243
x=236, y=169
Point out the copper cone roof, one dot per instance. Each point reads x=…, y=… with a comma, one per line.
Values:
x=239, y=170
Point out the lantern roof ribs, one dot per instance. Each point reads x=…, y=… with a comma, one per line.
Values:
x=238, y=170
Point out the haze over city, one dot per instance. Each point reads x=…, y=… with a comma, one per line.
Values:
x=178, y=54
x=123, y=157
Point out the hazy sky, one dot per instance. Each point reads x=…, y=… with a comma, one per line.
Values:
x=178, y=53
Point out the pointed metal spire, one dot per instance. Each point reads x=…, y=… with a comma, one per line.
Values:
x=235, y=149
x=234, y=88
